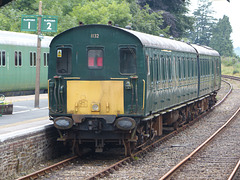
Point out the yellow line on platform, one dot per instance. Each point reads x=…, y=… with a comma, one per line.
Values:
x=24, y=122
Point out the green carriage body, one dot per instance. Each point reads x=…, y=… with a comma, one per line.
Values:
x=105, y=81
x=167, y=72
x=18, y=62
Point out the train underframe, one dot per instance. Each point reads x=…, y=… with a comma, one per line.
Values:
x=97, y=134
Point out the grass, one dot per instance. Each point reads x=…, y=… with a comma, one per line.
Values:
x=230, y=66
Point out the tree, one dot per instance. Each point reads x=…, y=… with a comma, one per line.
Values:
x=221, y=37
x=174, y=15
x=204, y=23
x=101, y=11
x=88, y=11
x=146, y=20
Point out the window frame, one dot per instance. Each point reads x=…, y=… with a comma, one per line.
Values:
x=2, y=58
x=32, y=58
x=18, y=58
x=119, y=56
x=95, y=67
x=69, y=61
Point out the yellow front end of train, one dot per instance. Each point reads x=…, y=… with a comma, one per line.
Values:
x=95, y=97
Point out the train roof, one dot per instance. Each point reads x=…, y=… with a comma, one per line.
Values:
x=22, y=39
x=205, y=50
x=149, y=40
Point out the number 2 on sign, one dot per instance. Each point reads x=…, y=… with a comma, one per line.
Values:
x=49, y=26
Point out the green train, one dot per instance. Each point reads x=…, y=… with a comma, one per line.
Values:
x=18, y=62
x=115, y=86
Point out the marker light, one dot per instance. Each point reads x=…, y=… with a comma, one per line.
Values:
x=95, y=107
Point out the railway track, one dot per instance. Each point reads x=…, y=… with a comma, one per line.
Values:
x=108, y=169
x=220, y=149
x=225, y=144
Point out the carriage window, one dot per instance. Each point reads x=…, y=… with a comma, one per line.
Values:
x=95, y=59
x=45, y=58
x=64, y=59
x=2, y=58
x=33, y=59
x=128, y=61
x=169, y=64
x=18, y=58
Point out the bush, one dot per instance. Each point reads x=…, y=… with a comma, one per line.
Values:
x=235, y=71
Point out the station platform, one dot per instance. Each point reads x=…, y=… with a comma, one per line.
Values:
x=25, y=118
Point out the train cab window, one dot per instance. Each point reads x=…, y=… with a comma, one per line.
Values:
x=64, y=60
x=128, y=61
x=95, y=58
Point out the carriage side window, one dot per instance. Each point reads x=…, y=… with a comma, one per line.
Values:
x=64, y=60
x=128, y=61
x=45, y=59
x=33, y=59
x=189, y=68
x=95, y=58
x=18, y=58
x=169, y=64
x=16, y=63
x=179, y=68
x=157, y=67
x=164, y=70
x=148, y=65
x=2, y=58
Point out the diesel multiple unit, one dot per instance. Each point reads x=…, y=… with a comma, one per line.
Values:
x=109, y=85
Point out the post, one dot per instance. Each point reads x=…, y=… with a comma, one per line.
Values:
x=37, y=83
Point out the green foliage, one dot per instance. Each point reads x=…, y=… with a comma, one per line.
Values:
x=230, y=65
x=174, y=14
x=88, y=11
x=10, y=19
x=220, y=40
x=146, y=21
x=204, y=23
x=235, y=71
x=228, y=61
x=101, y=11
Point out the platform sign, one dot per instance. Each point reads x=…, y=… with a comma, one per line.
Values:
x=49, y=24
x=29, y=23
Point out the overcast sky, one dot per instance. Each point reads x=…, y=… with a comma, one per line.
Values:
x=232, y=10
